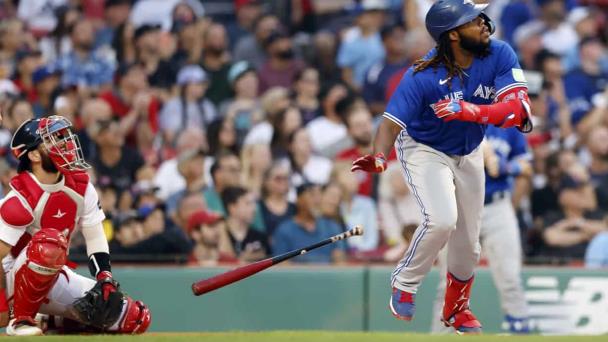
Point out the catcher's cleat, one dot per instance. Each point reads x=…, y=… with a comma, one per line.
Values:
x=23, y=326
x=456, y=311
x=402, y=304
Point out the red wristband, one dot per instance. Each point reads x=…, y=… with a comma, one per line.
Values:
x=3, y=301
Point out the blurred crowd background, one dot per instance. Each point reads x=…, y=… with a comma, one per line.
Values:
x=224, y=130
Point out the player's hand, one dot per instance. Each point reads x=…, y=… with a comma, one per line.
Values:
x=108, y=284
x=449, y=110
x=369, y=163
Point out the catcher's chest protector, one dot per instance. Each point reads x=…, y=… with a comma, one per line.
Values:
x=58, y=209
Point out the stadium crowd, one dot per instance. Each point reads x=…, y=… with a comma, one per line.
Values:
x=224, y=130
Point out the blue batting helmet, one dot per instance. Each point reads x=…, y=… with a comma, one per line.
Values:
x=445, y=15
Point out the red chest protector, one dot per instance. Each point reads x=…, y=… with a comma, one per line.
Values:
x=58, y=209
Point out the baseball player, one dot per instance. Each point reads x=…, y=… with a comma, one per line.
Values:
x=499, y=228
x=51, y=195
x=436, y=119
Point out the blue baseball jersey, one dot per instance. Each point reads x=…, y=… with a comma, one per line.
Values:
x=509, y=145
x=486, y=78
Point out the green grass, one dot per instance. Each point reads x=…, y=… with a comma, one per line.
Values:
x=309, y=336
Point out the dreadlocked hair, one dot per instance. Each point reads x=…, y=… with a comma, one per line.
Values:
x=443, y=55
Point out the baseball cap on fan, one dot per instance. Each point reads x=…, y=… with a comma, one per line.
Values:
x=191, y=74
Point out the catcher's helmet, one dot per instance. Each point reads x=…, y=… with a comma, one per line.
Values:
x=56, y=134
x=445, y=15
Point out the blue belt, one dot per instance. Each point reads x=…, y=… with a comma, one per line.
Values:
x=495, y=196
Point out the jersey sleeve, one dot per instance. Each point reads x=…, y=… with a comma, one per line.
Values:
x=509, y=74
x=92, y=213
x=406, y=101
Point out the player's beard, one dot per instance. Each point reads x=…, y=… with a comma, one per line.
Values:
x=47, y=163
x=477, y=48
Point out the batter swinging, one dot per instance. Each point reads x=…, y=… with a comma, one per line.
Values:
x=436, y=120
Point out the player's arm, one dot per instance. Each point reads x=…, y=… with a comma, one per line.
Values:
x=383, y=142
x=511, y=110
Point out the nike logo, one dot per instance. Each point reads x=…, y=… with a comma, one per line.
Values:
x=442, y=82
x=59, y=214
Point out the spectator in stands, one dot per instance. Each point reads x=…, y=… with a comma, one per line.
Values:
x=46, y=80
x=123, y=43
x=116, y=14
x=358, y=121
x=222, y=136
x=273, y=203
x=283, y=125
x=567, y=233
x=363, y=48
x=256, y=160
x=134, y=104
x=356, y=209
x=376, y=78
x=13, y=38
x=596, y=255
x=58, y=42
x=191, y=167
x=246, y=12
x=555, y=28
x=586, y=25
x=225, y=172
x=191, y=107
x=306, y=228
x=306, y=91
x=114, y=161
x=27, y=62
x=216, y=61
x=129, y=231
x=282, y=65
x=190, y=203
x=160, y=73
x=93, y=112
x=528, y=43
x=327, y=132
x=211, y=243
x=168, y=177
x=244, y=107
x=248, y=243
x=397, y=207
x=7, y=172
x=585, y=88
x=306, y=167
x=597, y=146
x=85, y=67
x=331, y=199
x=324, y=59
x=19, y=111
x=250, y=47
x=273, y=102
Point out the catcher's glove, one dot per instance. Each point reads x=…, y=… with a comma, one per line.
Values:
x=100, y=307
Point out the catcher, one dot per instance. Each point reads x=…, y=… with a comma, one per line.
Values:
x=50, y=196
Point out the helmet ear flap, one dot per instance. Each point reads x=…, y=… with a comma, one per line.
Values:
x=489, y=23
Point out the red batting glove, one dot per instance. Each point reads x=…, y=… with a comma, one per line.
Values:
x=108, y=285
x=449, y=110
x=369, y=163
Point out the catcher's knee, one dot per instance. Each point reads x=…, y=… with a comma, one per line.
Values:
x=47, y=251
x=136, y=319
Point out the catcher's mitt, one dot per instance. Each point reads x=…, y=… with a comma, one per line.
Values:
x=93, y=310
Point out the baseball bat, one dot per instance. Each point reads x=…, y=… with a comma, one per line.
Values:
x=210, y=284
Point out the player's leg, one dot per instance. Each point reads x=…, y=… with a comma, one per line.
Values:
x=134, y=318
x=437, y=325
x=431, y=181
x=31, y=278
x=502, y=245
x=463, y=245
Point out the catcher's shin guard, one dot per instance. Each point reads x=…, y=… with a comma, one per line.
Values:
x=456, y=311
x=46, y=254
x=136, y=318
